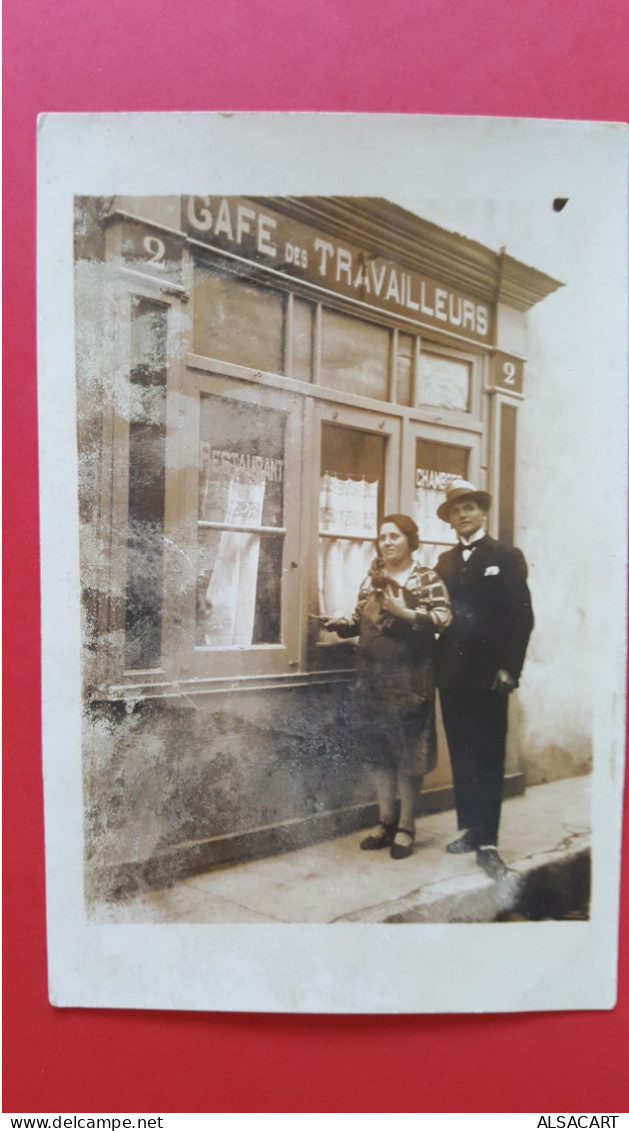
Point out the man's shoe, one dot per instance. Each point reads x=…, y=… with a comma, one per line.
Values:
x=382, y=838
x=492, y=863
x=465, y=843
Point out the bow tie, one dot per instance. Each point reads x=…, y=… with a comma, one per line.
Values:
x=467, y=549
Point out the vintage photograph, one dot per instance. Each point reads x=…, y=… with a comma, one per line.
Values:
x=298, y=457
x=336, y=646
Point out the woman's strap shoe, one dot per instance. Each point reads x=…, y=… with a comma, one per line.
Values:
x=382, y=838
x=401, y=851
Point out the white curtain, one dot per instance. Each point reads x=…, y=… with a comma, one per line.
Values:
x=431, y=528
x=434, y=533
x=231, y=594
x=348, y=521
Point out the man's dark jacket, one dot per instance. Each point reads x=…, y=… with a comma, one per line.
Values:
x=492, y=616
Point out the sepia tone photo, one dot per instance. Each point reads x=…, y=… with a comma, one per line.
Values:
x=295, y=414
x=335, y=650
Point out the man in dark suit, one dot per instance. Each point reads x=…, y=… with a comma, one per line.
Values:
x=479, y=660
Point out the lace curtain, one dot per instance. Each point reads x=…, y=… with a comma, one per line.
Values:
x=435, y=534
x=348, y=527
x=230, y=596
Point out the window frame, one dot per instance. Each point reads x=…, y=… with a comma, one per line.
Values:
x=448, y=437
x=333, y=654
x=126, y=290
x=196, y=662
x=430, y=347
x=426, y=340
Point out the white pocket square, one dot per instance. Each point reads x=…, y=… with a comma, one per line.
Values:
x=492, y=571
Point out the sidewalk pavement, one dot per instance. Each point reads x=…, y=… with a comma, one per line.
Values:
x=544, y=841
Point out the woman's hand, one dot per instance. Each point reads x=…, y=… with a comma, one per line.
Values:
x=330, y=624
x=396, y=606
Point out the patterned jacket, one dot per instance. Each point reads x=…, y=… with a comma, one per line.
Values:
x=423, y=590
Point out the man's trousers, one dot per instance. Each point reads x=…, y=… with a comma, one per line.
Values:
x=476, y=728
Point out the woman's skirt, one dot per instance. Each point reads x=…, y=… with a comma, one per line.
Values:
x=394, y=723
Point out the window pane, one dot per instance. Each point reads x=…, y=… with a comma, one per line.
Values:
x=354, y=355
x=350, y=505
x=147, y=464
x=239, y=589
x=436, y=466
x=241, y=490
x=303, y=332
x=404, y=369
x=242, y=462
x=444, y=382
x=238, y=321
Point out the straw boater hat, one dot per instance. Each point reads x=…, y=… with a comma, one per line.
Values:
x=460, y=489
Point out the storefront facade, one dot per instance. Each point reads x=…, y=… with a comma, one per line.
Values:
x=259, y=381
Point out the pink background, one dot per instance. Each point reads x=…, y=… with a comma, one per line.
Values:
x=566, y=60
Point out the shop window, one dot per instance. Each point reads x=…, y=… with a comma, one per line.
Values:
x=238, y=321
x=354, y=355
x=444, y=382
x=404, y=364
x=240, y=524
x=303, y=322
x=147, y=462
x=436, y=465
x=350, y=506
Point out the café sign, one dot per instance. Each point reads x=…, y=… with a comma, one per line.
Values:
x=241, y=227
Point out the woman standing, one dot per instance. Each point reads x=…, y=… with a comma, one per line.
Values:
x=401, y=607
